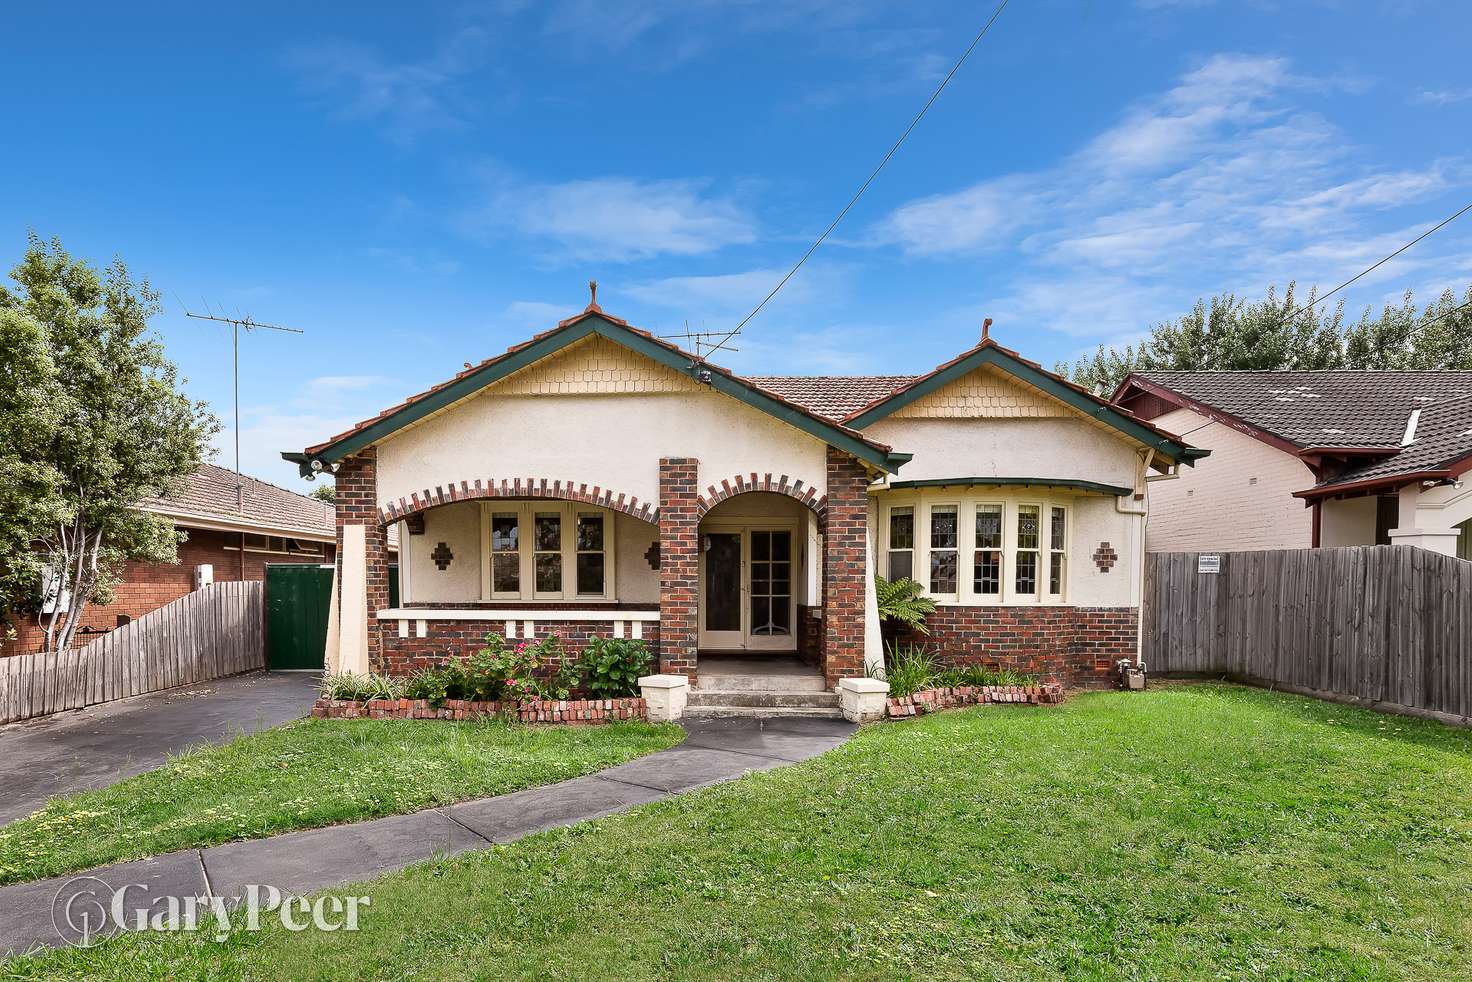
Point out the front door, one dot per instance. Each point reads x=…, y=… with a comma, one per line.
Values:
x=746, y=599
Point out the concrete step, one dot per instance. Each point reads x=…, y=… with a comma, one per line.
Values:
x=761, y=683
x=747, y=698
x=758, y=712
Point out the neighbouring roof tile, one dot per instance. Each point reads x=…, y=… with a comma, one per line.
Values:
x=832, y=396
x=210, y=492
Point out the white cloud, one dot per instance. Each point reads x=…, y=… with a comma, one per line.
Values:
x=618, y=219
x=407, y=98
x=1220, y=183
x=1443, y=97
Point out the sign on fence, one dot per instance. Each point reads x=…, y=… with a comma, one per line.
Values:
x=1208, y=562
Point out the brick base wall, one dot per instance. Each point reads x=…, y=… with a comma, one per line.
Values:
x=148, y=586
x=1073, y=645
x=810, y=635
x=450, y=639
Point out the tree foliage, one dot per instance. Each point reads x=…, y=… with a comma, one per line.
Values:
x=113, y=428
x=325, y=492
x=1227, y=333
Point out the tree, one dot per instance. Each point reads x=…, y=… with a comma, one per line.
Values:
x=122, y=430
x=325, y=492
x=30, y=488
x=1232, y=335
x=1229, y=334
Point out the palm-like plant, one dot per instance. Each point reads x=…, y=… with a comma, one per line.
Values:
x=902, y=601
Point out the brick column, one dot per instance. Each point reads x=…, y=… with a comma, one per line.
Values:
x=357, y=504
x=679, y=564
x=844, y=567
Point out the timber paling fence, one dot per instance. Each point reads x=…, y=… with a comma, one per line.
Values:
x=1383, y=624
x=215, y=631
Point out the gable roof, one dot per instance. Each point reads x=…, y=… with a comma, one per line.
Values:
x=832, y=396
x=1361, y=416
x=594, y=321
x=988, y=352
x=208, y=494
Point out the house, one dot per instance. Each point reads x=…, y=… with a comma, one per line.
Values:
x=227, y=539
x=596, y=480
x=1307, y=459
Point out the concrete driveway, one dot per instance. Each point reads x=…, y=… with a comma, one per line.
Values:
x=89, y=748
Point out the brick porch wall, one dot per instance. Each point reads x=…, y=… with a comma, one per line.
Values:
x=844, y=568
x=679, y=564
x=357, y=504
x=1073, y=645
x=449, y=639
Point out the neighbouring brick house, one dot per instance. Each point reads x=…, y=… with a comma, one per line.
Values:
x=1307, y=459
x=236, y=540
x=597, y=480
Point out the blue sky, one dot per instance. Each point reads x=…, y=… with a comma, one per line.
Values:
x=418, y=186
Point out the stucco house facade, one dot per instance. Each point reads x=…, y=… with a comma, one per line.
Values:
x=1307, y=459
x=597, y=480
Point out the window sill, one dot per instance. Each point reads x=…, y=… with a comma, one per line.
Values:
x=510, y=613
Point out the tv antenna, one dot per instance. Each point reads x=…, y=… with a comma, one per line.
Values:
x=699, y=340
x=236, y=323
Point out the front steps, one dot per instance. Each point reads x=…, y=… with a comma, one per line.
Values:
x=749, y=687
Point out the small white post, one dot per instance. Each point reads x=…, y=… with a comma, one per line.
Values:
x=665, y=695
x=862, y=700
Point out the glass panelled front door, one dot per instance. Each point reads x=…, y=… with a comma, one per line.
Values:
x=771, y=585
x=747, y=600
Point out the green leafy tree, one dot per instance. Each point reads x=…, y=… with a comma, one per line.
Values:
x=1224, y=334
x=31, y=502
x=1229, y=334
x=121, y=429
x=325, y=492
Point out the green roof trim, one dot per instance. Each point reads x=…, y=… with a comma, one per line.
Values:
x=1047, y=482
x=990, y=354
x=556, y=340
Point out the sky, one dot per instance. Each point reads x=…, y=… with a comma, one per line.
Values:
x=417, y=186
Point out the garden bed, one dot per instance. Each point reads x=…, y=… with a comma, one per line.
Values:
x=930, y=700
x=531, y=711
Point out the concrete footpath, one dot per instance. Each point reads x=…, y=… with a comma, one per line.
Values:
x=100, y=745
x=716, y=750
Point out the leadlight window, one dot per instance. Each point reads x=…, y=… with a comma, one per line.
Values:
x=944, y=537
x=590, y=562
x=987, y=558
x=901, y=543
x=546, y=551
x=1058, y=566
x=505, y=553
x=1025, y=581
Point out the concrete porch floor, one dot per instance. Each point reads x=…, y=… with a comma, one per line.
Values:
x=718, y=663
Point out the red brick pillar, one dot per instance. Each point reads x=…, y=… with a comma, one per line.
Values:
x=357, y=504
x=844, y=567
x=679, y=564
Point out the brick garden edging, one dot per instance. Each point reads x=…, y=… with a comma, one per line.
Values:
x=560, y=711
x=931, y=700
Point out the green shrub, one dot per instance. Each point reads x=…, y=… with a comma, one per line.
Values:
x=530, y=670
x=908, y=668
x=360, y=688
x=429, y=683
x=612, y=666
x=980, y=675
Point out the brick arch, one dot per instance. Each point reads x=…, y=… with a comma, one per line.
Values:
x=518, y=487
x=747, y=483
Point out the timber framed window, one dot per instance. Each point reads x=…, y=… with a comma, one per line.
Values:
x=543, y=550
x=985, y=546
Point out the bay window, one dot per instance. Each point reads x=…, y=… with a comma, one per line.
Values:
x=987, y=546
x=546, y=551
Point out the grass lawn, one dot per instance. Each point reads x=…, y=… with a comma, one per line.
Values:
x=1193, y=831
x=307, y=774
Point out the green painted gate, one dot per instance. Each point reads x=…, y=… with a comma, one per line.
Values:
x=297, y=600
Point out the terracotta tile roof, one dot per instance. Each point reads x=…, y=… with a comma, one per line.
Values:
x=210, y=493
x=1344, y=409
x=832, y=396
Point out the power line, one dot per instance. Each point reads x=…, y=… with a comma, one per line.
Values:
x=1445, y=313
x=1371, y=269
x=865, y=186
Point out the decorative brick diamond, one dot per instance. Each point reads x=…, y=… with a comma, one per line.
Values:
x=651, y=555
x=1105, y=557
x=442, y=556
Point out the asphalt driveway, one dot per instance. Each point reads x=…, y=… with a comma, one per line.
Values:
x=89, y=748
